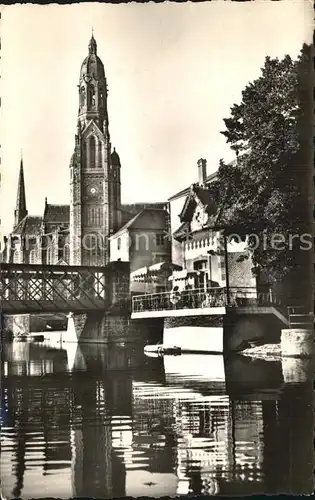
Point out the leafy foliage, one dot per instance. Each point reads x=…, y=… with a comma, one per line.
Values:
x=267, y=190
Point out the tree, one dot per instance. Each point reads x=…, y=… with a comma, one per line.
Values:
x=268, y=189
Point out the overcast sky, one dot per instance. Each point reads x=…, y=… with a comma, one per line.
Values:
x=173, y=72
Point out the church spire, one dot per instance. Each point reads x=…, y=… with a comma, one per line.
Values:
x=20, y=211
x=92, y=44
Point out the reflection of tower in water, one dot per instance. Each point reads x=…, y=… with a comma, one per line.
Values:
x=96, y=470
x=153, y=421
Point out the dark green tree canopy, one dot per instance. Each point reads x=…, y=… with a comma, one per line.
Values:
x=267, y=189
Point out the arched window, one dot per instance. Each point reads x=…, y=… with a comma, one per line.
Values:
x=101, y=98
x=84, y=154
x=82, y=96
x=66, y=253
x=92, y=147
x=16, y=257
x=100, y=154
x=32, y=256
x=49, y=255
x=91, y=96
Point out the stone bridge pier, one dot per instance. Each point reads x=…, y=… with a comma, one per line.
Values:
x=106, y=328
x=242, y=329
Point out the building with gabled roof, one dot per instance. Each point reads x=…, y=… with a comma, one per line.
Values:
x=184, y=192
x=143, y=241
x=197, y=237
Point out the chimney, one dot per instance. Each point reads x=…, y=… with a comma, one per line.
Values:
x=202, y=171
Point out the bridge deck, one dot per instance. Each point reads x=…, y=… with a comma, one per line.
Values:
x=204, y=311
x=37, y=288
x=201, y=302
x=31, y=306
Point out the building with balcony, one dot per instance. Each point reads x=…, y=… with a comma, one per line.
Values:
x=198, y=242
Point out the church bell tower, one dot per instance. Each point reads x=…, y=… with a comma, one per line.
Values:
x=94, y=170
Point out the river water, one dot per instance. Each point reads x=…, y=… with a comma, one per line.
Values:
x=109, y=422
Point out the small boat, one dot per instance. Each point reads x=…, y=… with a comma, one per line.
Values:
x=160, y=350
x=121, y=344
x=21, y=338
x=37, y=338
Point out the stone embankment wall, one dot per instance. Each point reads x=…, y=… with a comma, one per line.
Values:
x=297, y=342
x=18, y=324
x=298, y=353
x=23, y=324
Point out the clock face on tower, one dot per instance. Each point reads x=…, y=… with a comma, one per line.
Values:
x=93, y=190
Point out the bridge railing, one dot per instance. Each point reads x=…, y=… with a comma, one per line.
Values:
x=250, y=296
x=300, y=317
x=187, y=299
x=29, y=286
x=197, y=298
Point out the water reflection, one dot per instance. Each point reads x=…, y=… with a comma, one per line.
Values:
x=99, y=421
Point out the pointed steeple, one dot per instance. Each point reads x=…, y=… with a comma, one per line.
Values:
x=20, y=211
x=92, y=44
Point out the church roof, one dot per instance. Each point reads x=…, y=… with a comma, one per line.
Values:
x=92, y=64
x=30, y=225
x=57, y=213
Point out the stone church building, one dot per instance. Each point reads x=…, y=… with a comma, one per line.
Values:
x=78, y=234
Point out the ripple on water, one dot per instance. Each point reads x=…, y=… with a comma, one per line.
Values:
x=100, y=433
